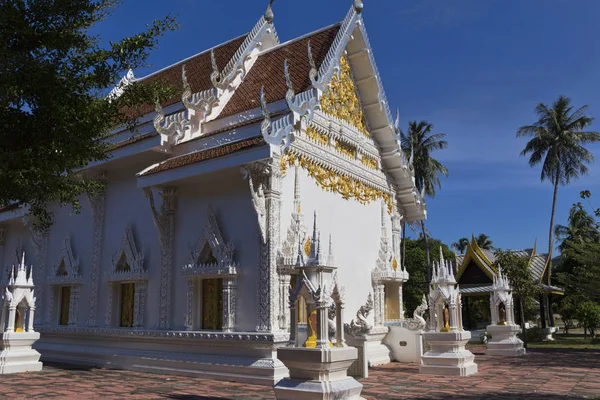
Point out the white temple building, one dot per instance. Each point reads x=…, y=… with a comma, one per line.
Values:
x=184, y=264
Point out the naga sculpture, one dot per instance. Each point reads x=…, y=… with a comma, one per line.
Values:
x=361, y=325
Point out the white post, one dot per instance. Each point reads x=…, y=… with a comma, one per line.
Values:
x=340, y=340
x=12, y=310
x=30, y=319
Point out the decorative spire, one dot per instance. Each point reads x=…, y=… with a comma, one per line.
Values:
x=269, y=13
x=11, y=280
x=358, y=6
x=330, y=259
x=297, y=189
x=442, y=261
x=300, y=259
x=383, y=216
x=30, y=279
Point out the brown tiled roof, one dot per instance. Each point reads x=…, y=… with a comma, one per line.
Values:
x=268, y=71
x=198, y=69
x=132, y=140
x=207, y=154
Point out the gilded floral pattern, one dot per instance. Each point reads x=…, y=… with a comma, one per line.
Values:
x=369, y=162
x=317, y=136
x=345, y=149
x=341, y=99
x=331, y=181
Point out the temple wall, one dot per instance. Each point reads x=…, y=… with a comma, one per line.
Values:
x=125, y=206
x=355, y=230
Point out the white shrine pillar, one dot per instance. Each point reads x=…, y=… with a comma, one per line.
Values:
x=318, y=368
x=504, y=340
x=446, y=337
x=18, y=334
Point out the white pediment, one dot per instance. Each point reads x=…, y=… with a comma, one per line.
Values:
x=128, y=263
x=66, y=270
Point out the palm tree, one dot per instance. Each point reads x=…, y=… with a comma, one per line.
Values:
x=484, y=242
x=418, y=144
x=461, y=245
x=581, y=228
x=557, y=142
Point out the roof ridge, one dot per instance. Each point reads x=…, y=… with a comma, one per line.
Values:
x=297, y=39
x=192, y=57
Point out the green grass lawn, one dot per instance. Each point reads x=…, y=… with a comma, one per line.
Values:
x=566, y=342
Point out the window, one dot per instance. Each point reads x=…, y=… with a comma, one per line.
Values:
x=212, y=304
x=65, y=305
x=127, y=302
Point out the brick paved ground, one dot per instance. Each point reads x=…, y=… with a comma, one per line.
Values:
x=548, y=375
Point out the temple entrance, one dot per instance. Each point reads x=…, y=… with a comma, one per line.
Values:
x=65, y=305
x=212, y=304
x=127, y=302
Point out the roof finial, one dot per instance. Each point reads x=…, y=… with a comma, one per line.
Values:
x=358, y=6
x=269, y=13
x=442, y=261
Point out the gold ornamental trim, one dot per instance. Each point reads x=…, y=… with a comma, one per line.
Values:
x=317, y=136
x=345, y=149
x=369, y=162
x=331, y=181
x=341, y=99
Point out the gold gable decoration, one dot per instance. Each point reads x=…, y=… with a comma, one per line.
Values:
x=317, y=136
x=341, y=99
x=369, y=162
x=331, y=181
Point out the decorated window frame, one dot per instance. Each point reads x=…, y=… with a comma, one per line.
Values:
x=127, y=267
x=211, y=258
x=65, y=288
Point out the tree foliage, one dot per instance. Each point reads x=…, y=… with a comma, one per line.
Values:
x=580, y=268
x=582, y=228
x=418, y=144
x=484, y=242
x=558, y=140
x=461, y=245
x=416, y=264
x=588, y=314
x=54, y=111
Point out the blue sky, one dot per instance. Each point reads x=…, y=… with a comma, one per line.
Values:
x=474, y=68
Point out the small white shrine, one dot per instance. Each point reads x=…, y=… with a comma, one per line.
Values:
x=504, y=340
x=318, y=367
x=446, y=336
x=18, y=308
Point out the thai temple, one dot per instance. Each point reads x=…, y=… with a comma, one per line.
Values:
x=270, y=150
x=475, y=274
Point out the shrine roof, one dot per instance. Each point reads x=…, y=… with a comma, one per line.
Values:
x=537, y=262
x=268, y=70
x=198, y=69
x=203, y=155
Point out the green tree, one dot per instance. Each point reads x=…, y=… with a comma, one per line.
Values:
x=54, y=111
x=416, y=265
x=580, y=268
x=484, y=241
x=581, y=228
x=588, y=314
x=567, y=310
x=418, y=144
x=461, y=245
x=558, y=140
x=516, y=269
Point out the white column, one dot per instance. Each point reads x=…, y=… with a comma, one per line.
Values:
x=189, y=315
x=453, y=316
x=400, y=303
x=229, y=304
x=3, y=316
x=322, y=325
x=30, y=320
x=139, y=304
x=98, y=214
x=12, y=313
x=293, y=324
x=74, y=305
x=340, y=340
